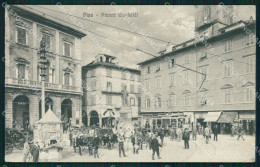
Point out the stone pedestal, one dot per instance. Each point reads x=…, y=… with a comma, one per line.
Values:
x=125, y=115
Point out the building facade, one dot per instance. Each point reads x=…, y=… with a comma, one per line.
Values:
x=24, y=31
x=214, y=72
x=104, y=81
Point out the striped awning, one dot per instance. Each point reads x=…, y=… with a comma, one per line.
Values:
x=108, y=113
x=227, y=117
x=212, y=116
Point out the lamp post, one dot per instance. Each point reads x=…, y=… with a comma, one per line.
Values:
x=43, y=63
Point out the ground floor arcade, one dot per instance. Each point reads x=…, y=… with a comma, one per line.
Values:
x=23, y=107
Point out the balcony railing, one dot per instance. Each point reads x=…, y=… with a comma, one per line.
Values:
x=51, y=85
x=68, y=87
x=37, y=84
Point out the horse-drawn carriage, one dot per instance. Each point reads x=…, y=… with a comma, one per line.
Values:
x=85, y=141
x=15, y=138
x=107, y=137
x=82, y=142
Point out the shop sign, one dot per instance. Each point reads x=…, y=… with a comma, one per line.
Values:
x=247, y=116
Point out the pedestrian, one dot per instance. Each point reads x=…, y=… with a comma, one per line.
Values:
x=137, y=144
x=155, y=147
x=121, y=144
x=179, y=134
x=90, y=146
x=70, y=137
x=172, y=133
x=194, y=133
x=26, y=150
x=34, y=150
x=161, y=134
x=186, y=138
x=207, y=134
x=200, y=129
x=95, y=146
x=150, y=140
x=215, y=132
x=233, y=129
x=240, y=133
x=147, y=136
x=133, y=137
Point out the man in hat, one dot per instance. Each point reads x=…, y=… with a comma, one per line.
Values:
x=95, y=145
x=186, y=138
x=35, y=151
x=121, y=144
x=155, y=146
x=194, y=133
x=179, y=133
x=26, y=150
x=207, y=134
x=215, y=132
x=240, y=132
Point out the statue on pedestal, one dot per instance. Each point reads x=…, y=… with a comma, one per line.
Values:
x=42, y=45
x=125, y=96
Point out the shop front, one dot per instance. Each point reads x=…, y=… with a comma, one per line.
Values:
x=212, y=118
x=164, y=120
x=226, y=120
x=199, y=117
x=247, y=120
x=108, y=118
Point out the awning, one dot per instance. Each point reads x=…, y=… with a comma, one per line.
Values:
x=247, y=116
x=212, y=116
x=189, y=115
x=108, y=113
x=227, y=117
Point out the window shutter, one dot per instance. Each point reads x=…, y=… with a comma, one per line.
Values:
x=50, y=76
x=70, y=47
x=26, y=72
x=16, y=36
x=50, y=44
x=26, y=37
x=73, y=80
x=16, y=71
x=63, y=78
x=53, y=76
x=70, y=80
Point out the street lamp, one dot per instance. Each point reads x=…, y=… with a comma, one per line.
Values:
x=43, y=65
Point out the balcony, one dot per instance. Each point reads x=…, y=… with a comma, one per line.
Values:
x=111, y=92
x=68, y=87
x=37, y=85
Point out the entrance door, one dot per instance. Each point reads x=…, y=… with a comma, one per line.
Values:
x=94, y=118
x=21, y=112
x=66, y=113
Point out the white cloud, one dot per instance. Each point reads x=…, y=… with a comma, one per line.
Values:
x=156, y=21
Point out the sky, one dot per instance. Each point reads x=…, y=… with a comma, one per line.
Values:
x=156, y=21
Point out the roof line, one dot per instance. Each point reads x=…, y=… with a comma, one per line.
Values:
x=211, y=38
x=47, y=21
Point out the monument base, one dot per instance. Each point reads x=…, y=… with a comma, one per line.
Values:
x=125, y=120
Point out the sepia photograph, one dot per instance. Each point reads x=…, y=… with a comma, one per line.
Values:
x=130, y=83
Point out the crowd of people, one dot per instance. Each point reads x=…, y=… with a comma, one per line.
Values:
x=140, y=139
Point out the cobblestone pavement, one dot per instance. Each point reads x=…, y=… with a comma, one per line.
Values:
x=226, y=149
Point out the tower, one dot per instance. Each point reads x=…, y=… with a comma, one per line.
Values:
x=210, y=18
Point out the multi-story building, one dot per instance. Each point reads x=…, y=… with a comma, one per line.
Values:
x=24, y=30
x=104, y=80
x=224, y=51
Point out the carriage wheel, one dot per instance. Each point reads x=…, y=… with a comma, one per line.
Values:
x=8, y=148
x=19, y=146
